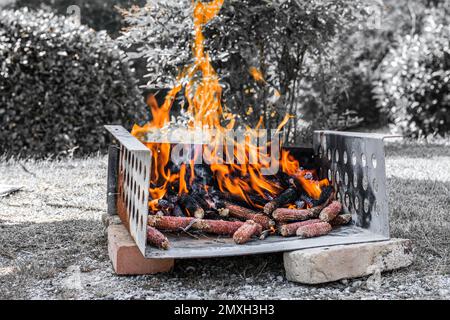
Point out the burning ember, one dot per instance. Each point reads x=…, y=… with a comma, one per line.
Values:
x=246, y=195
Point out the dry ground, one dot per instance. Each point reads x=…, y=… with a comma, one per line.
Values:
x=52, y=243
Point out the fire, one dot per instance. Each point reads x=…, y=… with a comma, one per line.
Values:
x=307, y=178
x=203, y=94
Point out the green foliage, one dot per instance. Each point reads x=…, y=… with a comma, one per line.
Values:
x=97, y=14
x=59, y=84
x=414, y=83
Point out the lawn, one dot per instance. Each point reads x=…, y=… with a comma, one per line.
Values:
x=53, y=243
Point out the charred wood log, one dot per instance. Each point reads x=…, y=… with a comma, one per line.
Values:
x=191, y=206
x=318, y=209
x=265, y=234
x=314, y=230
x=331, y=212
x=255, y=199
x=290, y=229
x=165, y=206
x=341, y=220
x=245, y=214
x=178, y=212
x=300, y=204
x=247, y=231
x=176, y=224
x=285, y=198
x=157, y=239
x=324, y=196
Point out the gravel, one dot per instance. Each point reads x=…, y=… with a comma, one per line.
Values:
x=53, y=244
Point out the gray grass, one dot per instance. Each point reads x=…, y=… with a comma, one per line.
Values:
x=52, y=242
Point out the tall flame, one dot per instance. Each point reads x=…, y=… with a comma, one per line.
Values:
x=203, y=94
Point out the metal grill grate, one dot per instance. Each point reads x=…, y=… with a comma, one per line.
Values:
x=353, y=162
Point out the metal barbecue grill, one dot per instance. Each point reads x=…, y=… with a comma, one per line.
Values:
x=353, y=162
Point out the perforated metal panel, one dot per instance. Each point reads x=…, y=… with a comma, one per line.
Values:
x=133, y=184
x=355, y=163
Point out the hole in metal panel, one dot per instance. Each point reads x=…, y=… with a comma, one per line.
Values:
x=374, y=161
x=357, y=202
x=330, y=177
x=355, y=180
x=354, y=161
x=365, y=182
x=336, y=156
x=366, y=206
x=128, y=204
x=347, y=201
x=338, y=179
x=329, y=154
x=345, y=157
x=375, y=184
x=141, y=222
x=363, y=160
x=346, y=179
x=375, y=208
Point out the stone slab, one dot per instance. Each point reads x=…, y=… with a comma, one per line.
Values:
x=328, y=264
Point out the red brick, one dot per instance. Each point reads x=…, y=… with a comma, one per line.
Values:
x=126, y=257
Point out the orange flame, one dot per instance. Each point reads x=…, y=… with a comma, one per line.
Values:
x=203, y=94
x=312, y=187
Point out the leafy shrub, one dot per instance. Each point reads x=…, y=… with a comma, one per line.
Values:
x=59, y=83
x=414, y=85
x=97, y=14
x=359, y=54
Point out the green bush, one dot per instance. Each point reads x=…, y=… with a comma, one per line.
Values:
x=59, y=84
x=414, y=83
x=97, y=14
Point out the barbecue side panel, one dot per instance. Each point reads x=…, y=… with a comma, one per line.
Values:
x=133, y=181
x=355, y=164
